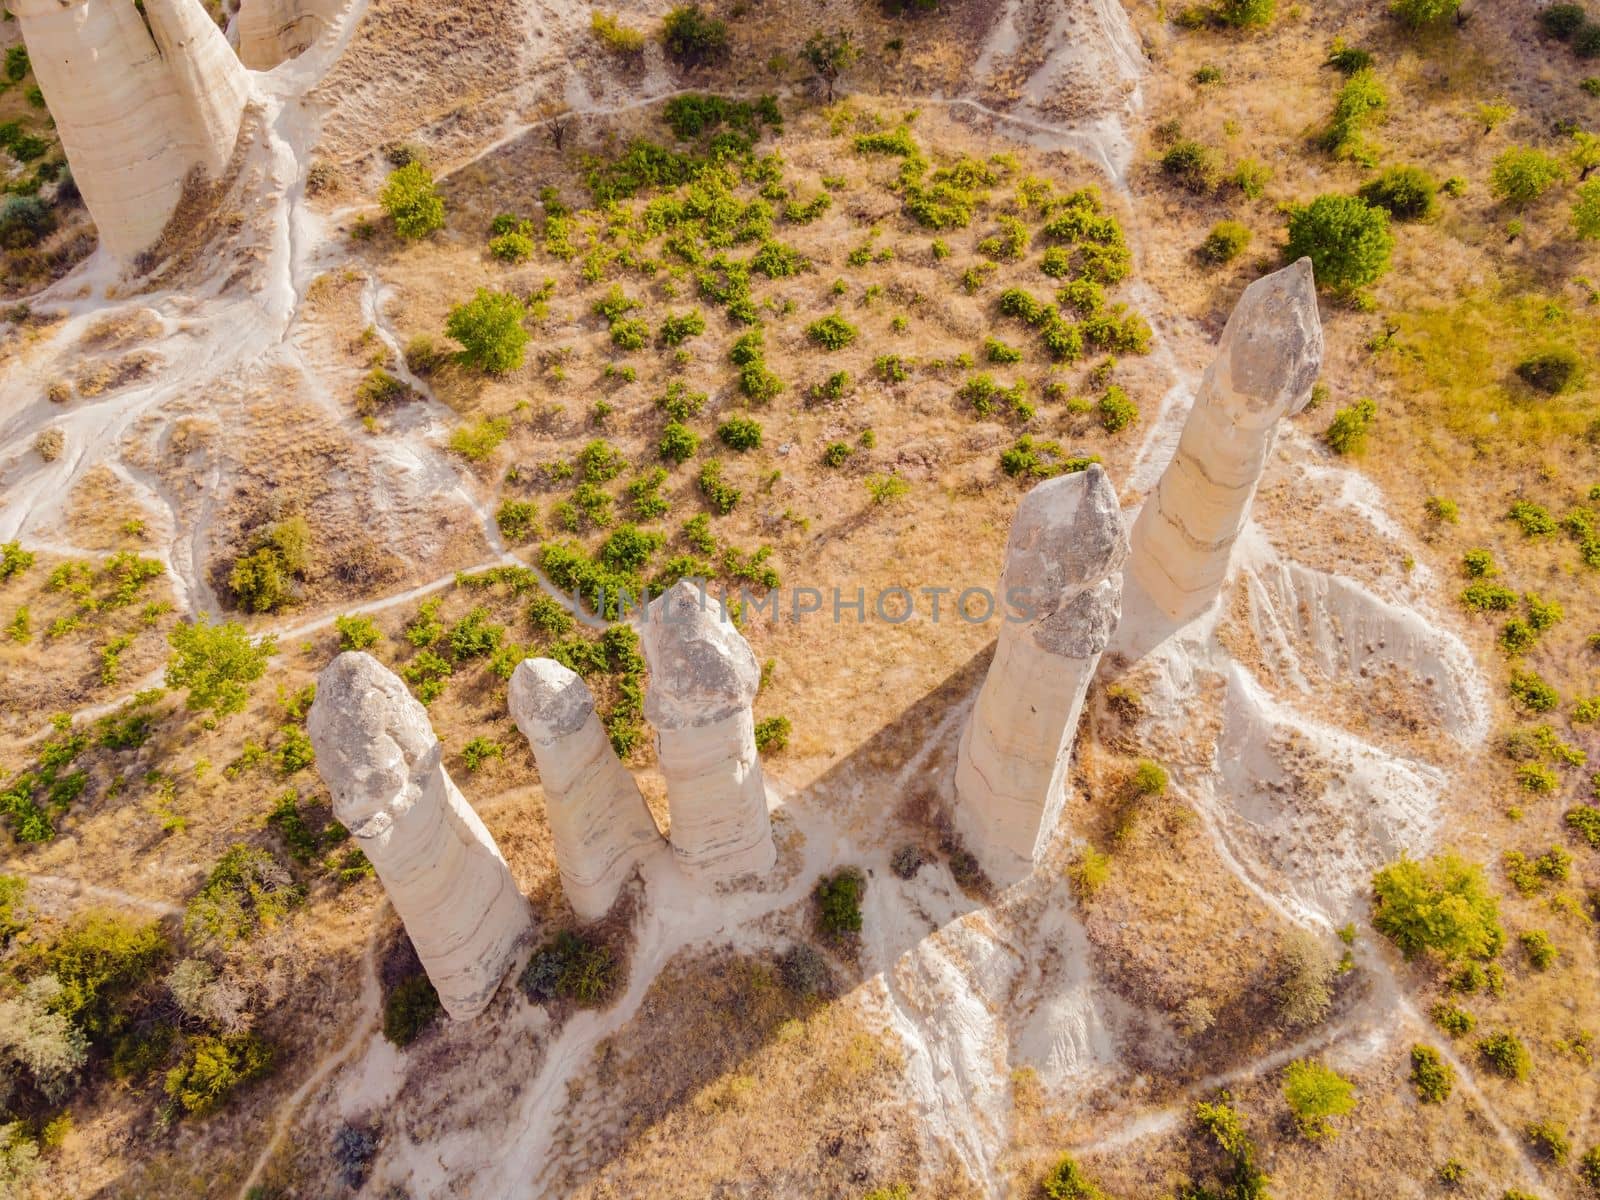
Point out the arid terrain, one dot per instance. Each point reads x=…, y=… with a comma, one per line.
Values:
x=788, y=317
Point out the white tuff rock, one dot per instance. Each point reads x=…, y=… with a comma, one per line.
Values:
x=137, y=106
x=274, y=31
x=441, y=868
x=597, y=814
x=703, y=678
x=1267, y=360
x=1063, y=590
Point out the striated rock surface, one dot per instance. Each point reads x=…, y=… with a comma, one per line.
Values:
x=597, y=814
x=440, y=866
x=137, y=105
x=703, y=679
x=274, y=31
x=1062, y=590
x=1267, y=360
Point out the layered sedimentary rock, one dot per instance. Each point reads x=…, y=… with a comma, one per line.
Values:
x=1062, y=589
x=139, y=102
x=703, y=678
x=1267, y=360
x=273, y=31
x=439, y=865
x=597, y=814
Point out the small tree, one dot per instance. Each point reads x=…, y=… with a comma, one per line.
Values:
x=489, y=327
x=1586, y=211
x=1585, y=152
x=830, y=55
x=1245, y=14
x=412, y=203
x=1347, y=240
x=1443, y=904
x=1315, y=1095
x=1495, y=113
x=217, y=663
x=1522, y=174
x=692, y=37
x=1417, y=13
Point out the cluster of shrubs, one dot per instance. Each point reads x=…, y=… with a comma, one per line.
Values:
x=1570, y=23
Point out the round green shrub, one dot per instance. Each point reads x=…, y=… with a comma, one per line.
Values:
x=1405, y=193
x=1226, y=241
x=1561, y=21
x=1347, y=240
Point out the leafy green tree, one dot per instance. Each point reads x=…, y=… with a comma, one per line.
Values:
x=213, y=1067
x=412, y=202
x=1586, y=211
x=489, y=328
x=1444, y=904
x=692, y=37
x=1316, y=1094
x=1585, y=153
x=1417, y=13
x=1067, y=1181
x=1522, y=174
x=217, y=663
x=1245, y=14
x=1347, y=240
x=830, y=55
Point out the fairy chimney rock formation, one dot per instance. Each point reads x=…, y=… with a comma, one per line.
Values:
x=439, y=865
x=1267, y=360
x=139, y=102
x=1062, y=589
x=703, y=679
x=273, y=31
x=597, y=814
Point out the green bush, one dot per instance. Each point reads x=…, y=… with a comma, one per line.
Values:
x=614, y=35
x=740, y=433
x=1417, y=13
x=692, y=37
x=518, y=520
x=831, y=332
x=1589, y=1168
x=217, y=663
x=412, y=202
x=571, y=966
x=1347, y=240
x=678, y=443
x=1244, y=14
x=1315, y=1095
x=1431, y=1075
x=1405, y=193
x=25, y=221
x=1347, y=434
x=1443, y=904
x=102, y=960
x=1067, y=1181
x=1586, y=42
x=720, y=494
x=247, y=891
x=478, y=440
x=677, y=328
x=1561, y=21
x=213, y=1067
x=1505, y=1055
x=1117, y=412
x=489, y=328
x=1551, y=371
x=1226, y=241
x=1453, y=1019
x=1549, y=1140
x=1360, y=100
x=1530, y=690
x=838, y=900
x=772, y=734
x=1522, y=174
x=1541, y=951
x=1192, y=166
x=1533, y=519
x=410, y=1007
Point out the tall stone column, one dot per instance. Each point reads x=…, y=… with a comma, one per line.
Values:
x=440, y=866
x=137, y=105
x=597, y=814
x=1061, y=592
x=703, y=679
x=1267, y=360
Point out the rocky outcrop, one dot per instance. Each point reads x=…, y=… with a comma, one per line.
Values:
x=1267, y=360
x=597, y=814
x=439, y=865
x=1062, y=590
x=703, y=679
x=274, y=31
x=139, y=102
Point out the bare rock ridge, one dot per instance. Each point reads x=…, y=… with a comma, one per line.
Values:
x=703, y=680
x=274, y=31
x=1267, y=360
x=440, y=867
x=1062, y=590
x=598, y=817
x=139, y=102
